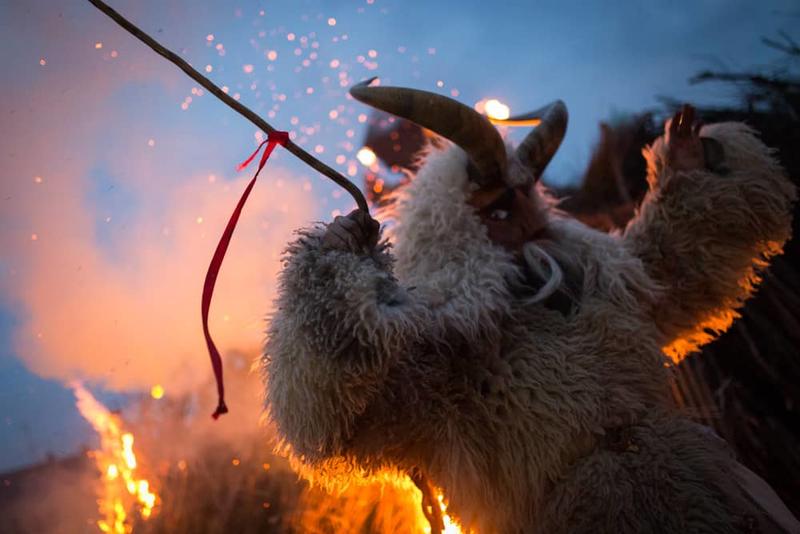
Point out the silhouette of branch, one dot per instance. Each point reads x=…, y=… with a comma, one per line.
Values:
x=758, y=80
x=788, y=46
x=237, y=106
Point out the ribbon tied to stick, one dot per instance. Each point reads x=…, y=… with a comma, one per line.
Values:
x=274, y=138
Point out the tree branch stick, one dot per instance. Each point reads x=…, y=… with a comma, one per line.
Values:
x=243, y=110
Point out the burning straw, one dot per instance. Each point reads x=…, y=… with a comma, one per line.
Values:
x=204, y=481
x=123, y=489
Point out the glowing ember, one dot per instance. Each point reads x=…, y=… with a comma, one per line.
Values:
x=157, y=391
x=366, y=156
x=121, y=490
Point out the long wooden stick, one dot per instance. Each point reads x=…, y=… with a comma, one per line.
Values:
x=243, y=110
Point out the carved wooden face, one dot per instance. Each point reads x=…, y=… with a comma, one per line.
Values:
x=511, y=215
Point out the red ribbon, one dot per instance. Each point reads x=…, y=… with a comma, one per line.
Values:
x=273, y=138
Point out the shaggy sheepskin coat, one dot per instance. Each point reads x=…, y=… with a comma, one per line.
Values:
x=533, y=416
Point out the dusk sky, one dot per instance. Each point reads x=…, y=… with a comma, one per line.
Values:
x=117, y=173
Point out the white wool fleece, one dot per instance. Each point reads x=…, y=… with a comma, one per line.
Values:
x=337, y=304
x=530, y=417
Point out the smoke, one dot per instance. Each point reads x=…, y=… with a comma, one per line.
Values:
x=107, y=224
x=54, y=497
x=130, y=318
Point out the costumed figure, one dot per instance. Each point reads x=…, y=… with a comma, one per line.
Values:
x=516, y=358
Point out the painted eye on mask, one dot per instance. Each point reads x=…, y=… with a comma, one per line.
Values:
x=499, y=215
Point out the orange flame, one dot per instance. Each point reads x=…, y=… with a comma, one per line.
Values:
x=122, y=490
x=450, y=526
x=493, y=108
x=386, y=502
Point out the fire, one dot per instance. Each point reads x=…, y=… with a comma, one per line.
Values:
x=126, y=497
x=421, y=522
x=122, y=489
x=496, y=109
x=405, y=485
x=450, y=526
x=493, y=108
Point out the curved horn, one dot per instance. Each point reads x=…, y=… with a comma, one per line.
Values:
x=451, y=119
x=538, y=148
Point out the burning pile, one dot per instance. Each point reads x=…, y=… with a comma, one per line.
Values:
x=122, y=490
x=232, y=483
x=385, y=503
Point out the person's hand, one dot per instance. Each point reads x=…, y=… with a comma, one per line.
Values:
x=685, y=151
x=357, y=233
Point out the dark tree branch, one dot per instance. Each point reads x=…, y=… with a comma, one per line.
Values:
x=759, y=80
x=788, y=46
x=243, y=110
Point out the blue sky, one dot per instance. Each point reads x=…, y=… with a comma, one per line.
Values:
x=113, y=194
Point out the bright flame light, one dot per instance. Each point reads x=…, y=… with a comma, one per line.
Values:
x=496, y=109
x=121, y=489
x=493, y=108
x=366, y=156
x=450, y=526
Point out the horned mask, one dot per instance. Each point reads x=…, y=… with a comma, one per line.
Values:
x=490, y=166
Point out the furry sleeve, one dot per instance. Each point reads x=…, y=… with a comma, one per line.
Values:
x=340, y=323
x=706, y=236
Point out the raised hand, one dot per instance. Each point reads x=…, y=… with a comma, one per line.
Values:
x=357, y=233
x=685, y=150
